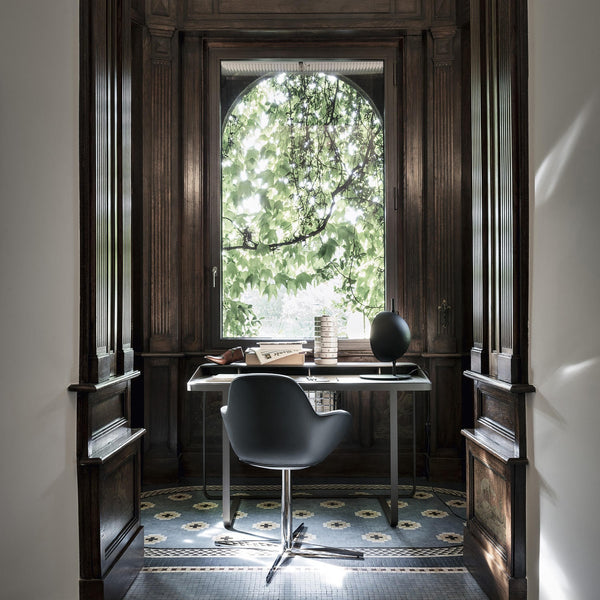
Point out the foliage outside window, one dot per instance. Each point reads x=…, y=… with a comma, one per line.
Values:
x=302, y=210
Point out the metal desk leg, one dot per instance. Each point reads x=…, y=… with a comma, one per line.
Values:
x=393, y=458
x=414, y=444
x=393, y=511
x=226, y=474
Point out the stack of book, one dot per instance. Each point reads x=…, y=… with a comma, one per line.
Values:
x=276, y=353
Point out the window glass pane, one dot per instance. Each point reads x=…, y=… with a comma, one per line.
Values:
x=302, y=197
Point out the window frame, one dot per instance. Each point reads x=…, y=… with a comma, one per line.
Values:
x=389, y=53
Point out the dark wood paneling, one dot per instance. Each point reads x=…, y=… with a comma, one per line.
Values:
x=193, y=209
x=110, y=529
x=496, y=463
x=413, y=122
x=123, y=223
x=500, y=188
x=108, y=449
x=479, y=187
x=263, y=15
x=495, y=534
x=496, y=446
x=445, y=418
x=294, y=7
x=443, y=293
x=444, y=10
x=162, y=247
x=161, y=405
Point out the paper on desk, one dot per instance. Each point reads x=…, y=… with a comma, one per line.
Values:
x=267, y=356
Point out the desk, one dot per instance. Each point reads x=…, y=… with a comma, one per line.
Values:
x=326, y=382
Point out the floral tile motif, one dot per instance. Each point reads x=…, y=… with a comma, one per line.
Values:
x=408, y=525
x=268, y=505
x=367, y=514
x=421, y=495
x=265, y=525
x=205, y=505
x=167, y=515
x=457, y=503
x=376, y=537
x=401, y=504
x=336, y=524
x=154, y=538
x=434, y=513
x=180, y=497
x=195, y=526
x=450, y=537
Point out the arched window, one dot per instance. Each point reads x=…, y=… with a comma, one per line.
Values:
x=302, y=197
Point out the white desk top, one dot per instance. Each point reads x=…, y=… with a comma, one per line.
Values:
x=221, y=383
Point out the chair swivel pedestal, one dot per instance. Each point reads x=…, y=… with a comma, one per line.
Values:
x=271, y=425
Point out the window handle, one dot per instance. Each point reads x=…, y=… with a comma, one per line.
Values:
x=214, y=276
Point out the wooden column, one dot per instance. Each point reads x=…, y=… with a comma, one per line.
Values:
x=161, y=298
x=444, y=273
x=496, y=445
x=108, y=449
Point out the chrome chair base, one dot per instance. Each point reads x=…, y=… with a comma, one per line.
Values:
x=290, y=543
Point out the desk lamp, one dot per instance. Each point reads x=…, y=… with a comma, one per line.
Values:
x=390, y=337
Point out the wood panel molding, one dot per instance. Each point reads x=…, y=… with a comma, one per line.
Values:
x=444, y=209
x=500, y=188
x=265, y=15
x=193, y=244
x=496, y=445
x=292, y=7
x=161, y=207
x=108, y=448
x=414, y=172
x=161, y=407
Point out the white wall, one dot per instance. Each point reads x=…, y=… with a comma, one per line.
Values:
x=39, y=298
x=564, y=415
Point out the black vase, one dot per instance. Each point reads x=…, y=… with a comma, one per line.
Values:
x=390, y=337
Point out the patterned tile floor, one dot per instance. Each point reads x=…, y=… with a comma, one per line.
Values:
x=304, y=579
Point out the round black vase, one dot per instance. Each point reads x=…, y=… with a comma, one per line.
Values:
x=390, y=338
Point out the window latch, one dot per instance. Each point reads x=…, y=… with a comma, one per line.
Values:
x=214, y=276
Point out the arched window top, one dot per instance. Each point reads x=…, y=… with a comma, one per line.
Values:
x=302, y=200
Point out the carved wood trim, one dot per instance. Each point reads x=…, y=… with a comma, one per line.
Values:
x=414, y=187
x=193, y=209
x=162, y=207
x=211, y=15
x=290, y=7
x=479, y=184
x=108, y=449
x=500, y=188
x=444, y=290
x=494, y=545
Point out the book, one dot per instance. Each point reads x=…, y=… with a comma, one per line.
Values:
x=296, y=346
x=277, y=355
